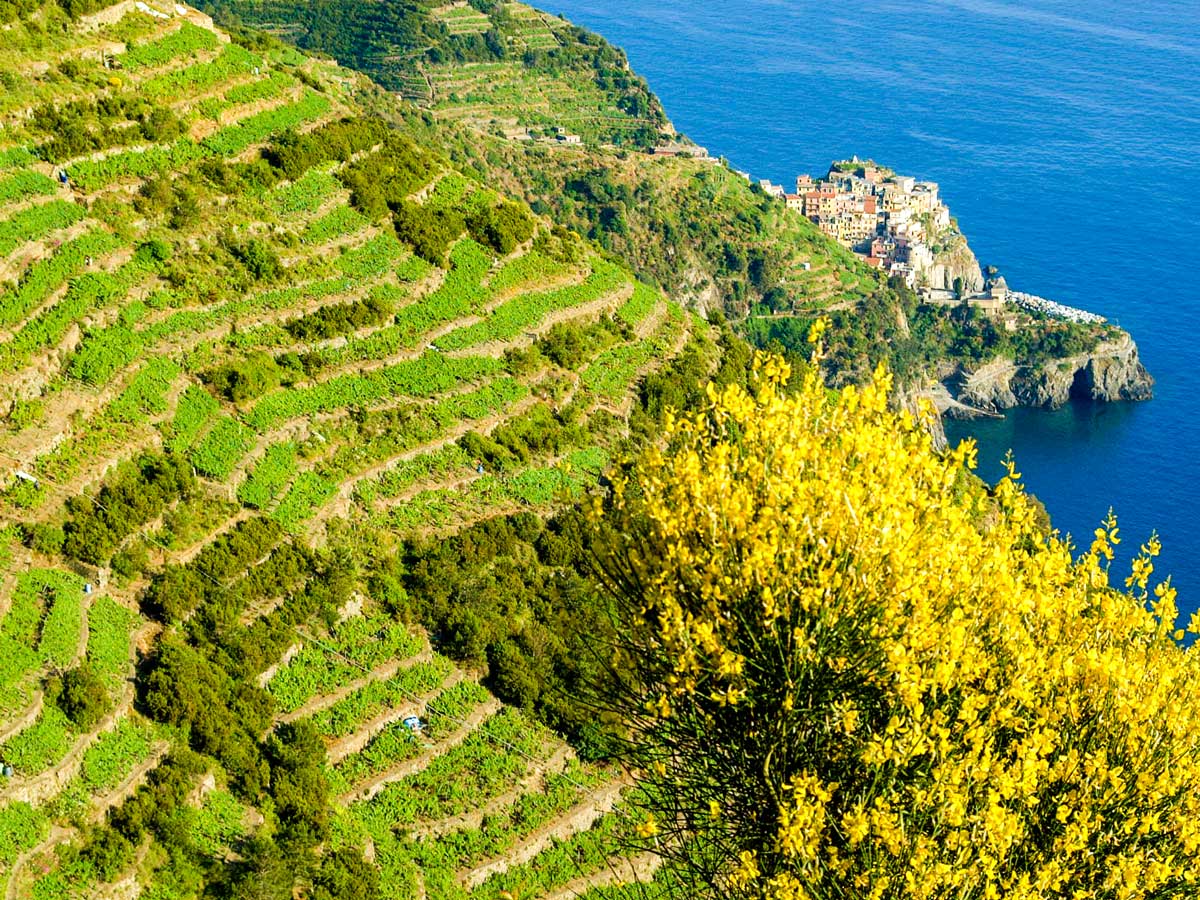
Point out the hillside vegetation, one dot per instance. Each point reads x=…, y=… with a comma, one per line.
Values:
x=854, y=672
x=263, y=355
x=306, y=390
x=506, y=89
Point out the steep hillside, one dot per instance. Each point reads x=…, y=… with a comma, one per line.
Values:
x=688, y=223
x=496, y=66
x=262, y=353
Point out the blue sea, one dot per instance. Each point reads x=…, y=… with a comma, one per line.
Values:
x=1066, y=139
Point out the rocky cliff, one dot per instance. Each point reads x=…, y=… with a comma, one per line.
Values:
x=955, y=260
x=1112, y=371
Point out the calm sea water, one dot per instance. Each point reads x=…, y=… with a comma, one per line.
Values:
x=1066, y=138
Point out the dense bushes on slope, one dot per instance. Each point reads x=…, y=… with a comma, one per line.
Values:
x=135, y=495
x=851, y=672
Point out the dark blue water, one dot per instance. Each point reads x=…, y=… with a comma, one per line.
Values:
x=1066, y=138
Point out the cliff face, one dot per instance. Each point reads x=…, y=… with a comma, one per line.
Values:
x=954, y=261
x=1110, y=372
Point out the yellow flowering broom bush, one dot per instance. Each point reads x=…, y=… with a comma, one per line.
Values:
x=851, y=671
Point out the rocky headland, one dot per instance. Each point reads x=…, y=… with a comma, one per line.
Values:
x=1112, y=371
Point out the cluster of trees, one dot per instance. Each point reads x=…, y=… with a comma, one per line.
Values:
x=245, y=377
x=81, y=695
x=266, y=867
x=360, y=35
x=732, y=232
x=258, y=259
x=158, y=808
x=201, y=678
x=292, y=154
x=568, y=344
x=381, y=181
x=330, y=321
x=85, y=126
x=431, y=230
x=870, y=331
x=11, y=10
x=137, y=494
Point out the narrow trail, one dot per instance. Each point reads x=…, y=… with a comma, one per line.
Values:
x=409, y=767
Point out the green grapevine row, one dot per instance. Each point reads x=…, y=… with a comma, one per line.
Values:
x=369, y=642
x=352, y=712
x=341, y=221
x=525, y=311
x=218, y=823
x=305, y=195
x=86, y=293
x=219, y=451
x=397, y=743
x=196, y=408
x=46, y=276
x=233, y=61
x=306, y=495
x=270, y=476
x=611, y=373
x=640, y=305
x=491, y=759
x=109, y=627
x=184, y=42
x=426, y=376
x=531, y=268
x=230, y=141
x=24, y=184
x=36, y=222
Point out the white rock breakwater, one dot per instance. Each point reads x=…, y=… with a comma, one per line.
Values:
x=1035, y=304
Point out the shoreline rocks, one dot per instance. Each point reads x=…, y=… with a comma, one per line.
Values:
x=1110, y=372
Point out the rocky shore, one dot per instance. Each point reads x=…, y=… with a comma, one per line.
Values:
x=1110, y=372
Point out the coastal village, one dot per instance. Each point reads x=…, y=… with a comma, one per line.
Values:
x=900, y=226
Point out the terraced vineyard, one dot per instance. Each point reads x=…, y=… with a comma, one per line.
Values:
x=251, y=334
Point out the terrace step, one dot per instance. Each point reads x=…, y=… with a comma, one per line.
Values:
x=408, y=767
x=578, y=819
x=354, y=743
x=379, y=673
